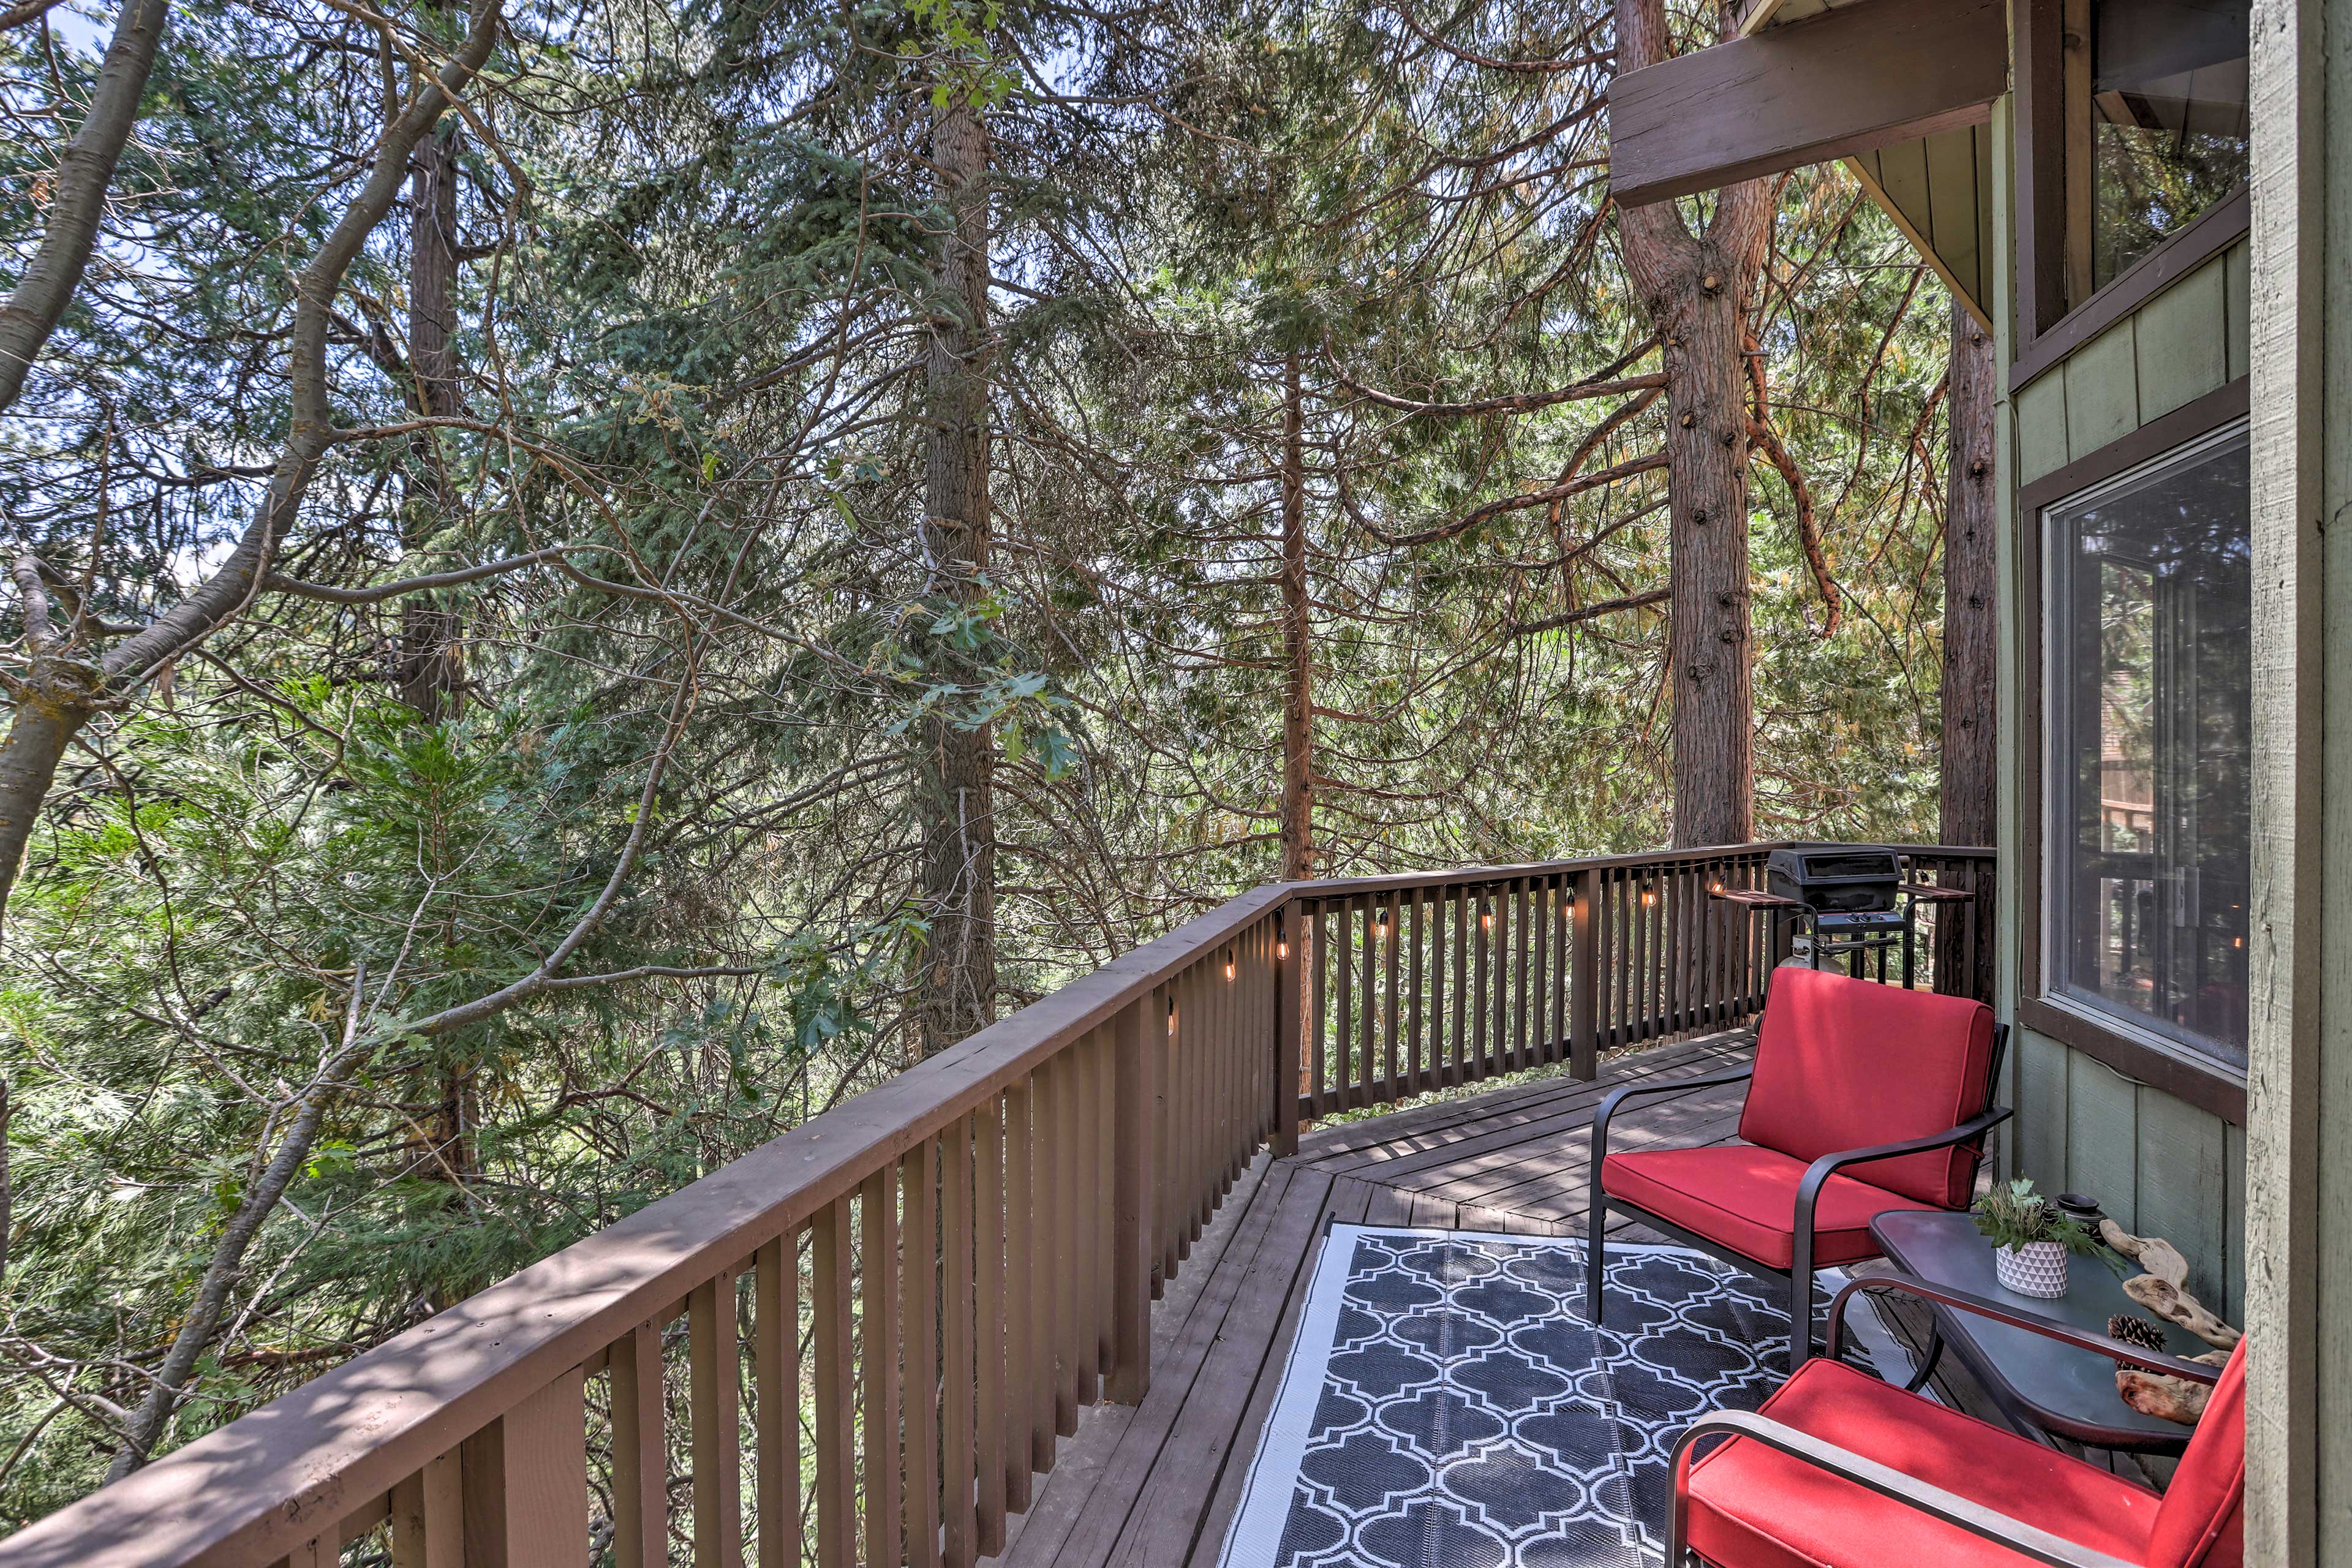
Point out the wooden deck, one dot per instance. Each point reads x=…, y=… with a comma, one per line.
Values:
x=1155, y=1484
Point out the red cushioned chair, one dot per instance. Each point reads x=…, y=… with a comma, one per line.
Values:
x=1863, y=1098
x=1840, y=1470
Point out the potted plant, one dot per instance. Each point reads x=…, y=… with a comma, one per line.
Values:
x=2031, y=1237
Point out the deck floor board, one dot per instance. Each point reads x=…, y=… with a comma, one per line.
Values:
x=1155, y=1485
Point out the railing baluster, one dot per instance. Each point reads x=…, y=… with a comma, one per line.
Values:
x=1020, y=1303
x=1101, y=1244
x=776, y=1385
x=1416, y=1077
x=1136, y=1110
x=1529, y=979
x=1465, y=926
x=428, y=1521
x=988, y=1321
x=1480, y=1067
x=919, y=1281
x=837, y=1435
x=714, y=1375
x=879, y=1332
x=956, y=1371
x=1367, y=1008
x=1318, y=1036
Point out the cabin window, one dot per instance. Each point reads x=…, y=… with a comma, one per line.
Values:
x=2148, y=709
x=2168, y=121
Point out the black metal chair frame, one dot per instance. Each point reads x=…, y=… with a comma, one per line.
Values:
x=1799, y=1276
x=1986, y=1524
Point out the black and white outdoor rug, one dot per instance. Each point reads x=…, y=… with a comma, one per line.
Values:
x=1447, y=1405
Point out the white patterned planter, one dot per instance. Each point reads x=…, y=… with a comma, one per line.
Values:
x=2037, y=1269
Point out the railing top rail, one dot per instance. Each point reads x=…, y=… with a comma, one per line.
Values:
x=299, y=1465
x=1342, y=886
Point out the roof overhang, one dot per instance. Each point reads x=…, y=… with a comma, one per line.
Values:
x=1902, y=89
x=1849, y=79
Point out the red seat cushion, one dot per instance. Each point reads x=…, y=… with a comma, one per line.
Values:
x=1843, y=1063
x=2203, y=1522
x=1754, y=1507
x=1746, y=1199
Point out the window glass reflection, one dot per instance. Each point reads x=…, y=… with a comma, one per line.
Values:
x=2151, y=713
x=2169, y=120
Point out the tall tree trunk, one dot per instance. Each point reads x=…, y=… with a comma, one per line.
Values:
x=38, y=301
x=430, y=674
x=1696, y=288
x=958, y=988
x=1970, y=588
x=1298, y=650
x=1972, y=605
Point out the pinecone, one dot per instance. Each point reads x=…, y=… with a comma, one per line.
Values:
x=2134, y=1330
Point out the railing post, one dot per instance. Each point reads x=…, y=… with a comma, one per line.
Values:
x=1584, y=1027
x=1135, y=1120
x=1290, y=1007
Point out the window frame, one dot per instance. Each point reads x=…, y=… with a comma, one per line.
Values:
x=2181, y=1071
x=2047, y=329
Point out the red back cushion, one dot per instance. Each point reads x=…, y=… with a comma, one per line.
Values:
x=1843, y=1063
x=2202, y=1522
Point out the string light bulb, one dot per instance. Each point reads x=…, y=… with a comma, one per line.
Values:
x=1649, y=894
x=1229, y=963
x=1485, y=917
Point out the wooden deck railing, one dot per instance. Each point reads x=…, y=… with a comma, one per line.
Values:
x=920, y=1289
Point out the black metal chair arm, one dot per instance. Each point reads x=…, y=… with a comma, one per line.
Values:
x=1618, y=1097
x=1818, y=1174
x=1983, y=1307
x=1987, y=1524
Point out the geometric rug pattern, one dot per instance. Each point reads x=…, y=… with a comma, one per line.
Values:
x=1446, y=1405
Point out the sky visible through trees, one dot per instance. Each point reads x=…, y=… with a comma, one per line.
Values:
x=585, y=582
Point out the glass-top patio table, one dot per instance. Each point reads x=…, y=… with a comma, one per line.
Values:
x=2044, y=1388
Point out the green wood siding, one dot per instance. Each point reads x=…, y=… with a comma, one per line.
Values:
x=2158, y=1165
x=2178, y=346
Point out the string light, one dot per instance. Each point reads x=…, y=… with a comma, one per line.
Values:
x=1229, y=963
x=1649, y=894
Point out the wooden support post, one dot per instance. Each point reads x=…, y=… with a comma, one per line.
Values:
x=1290, y=1004
x=1584, y=987
x=1135, y=1115
x=526, y=1483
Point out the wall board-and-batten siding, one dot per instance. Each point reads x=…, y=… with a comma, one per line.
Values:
x=2160, y=1166
x=2183, y=344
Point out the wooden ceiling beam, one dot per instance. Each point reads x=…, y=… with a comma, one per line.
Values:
x=1853, y=78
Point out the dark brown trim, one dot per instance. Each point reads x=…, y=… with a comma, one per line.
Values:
x=1850, y=78
x=2177, y=257
x=2152, y=440
x=2213, y=1089
x=2038, y=122
x=2209, y=1087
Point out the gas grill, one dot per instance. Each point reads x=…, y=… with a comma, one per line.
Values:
x=1849, y=895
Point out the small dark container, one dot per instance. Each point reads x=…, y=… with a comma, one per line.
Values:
x=2081, y=1208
